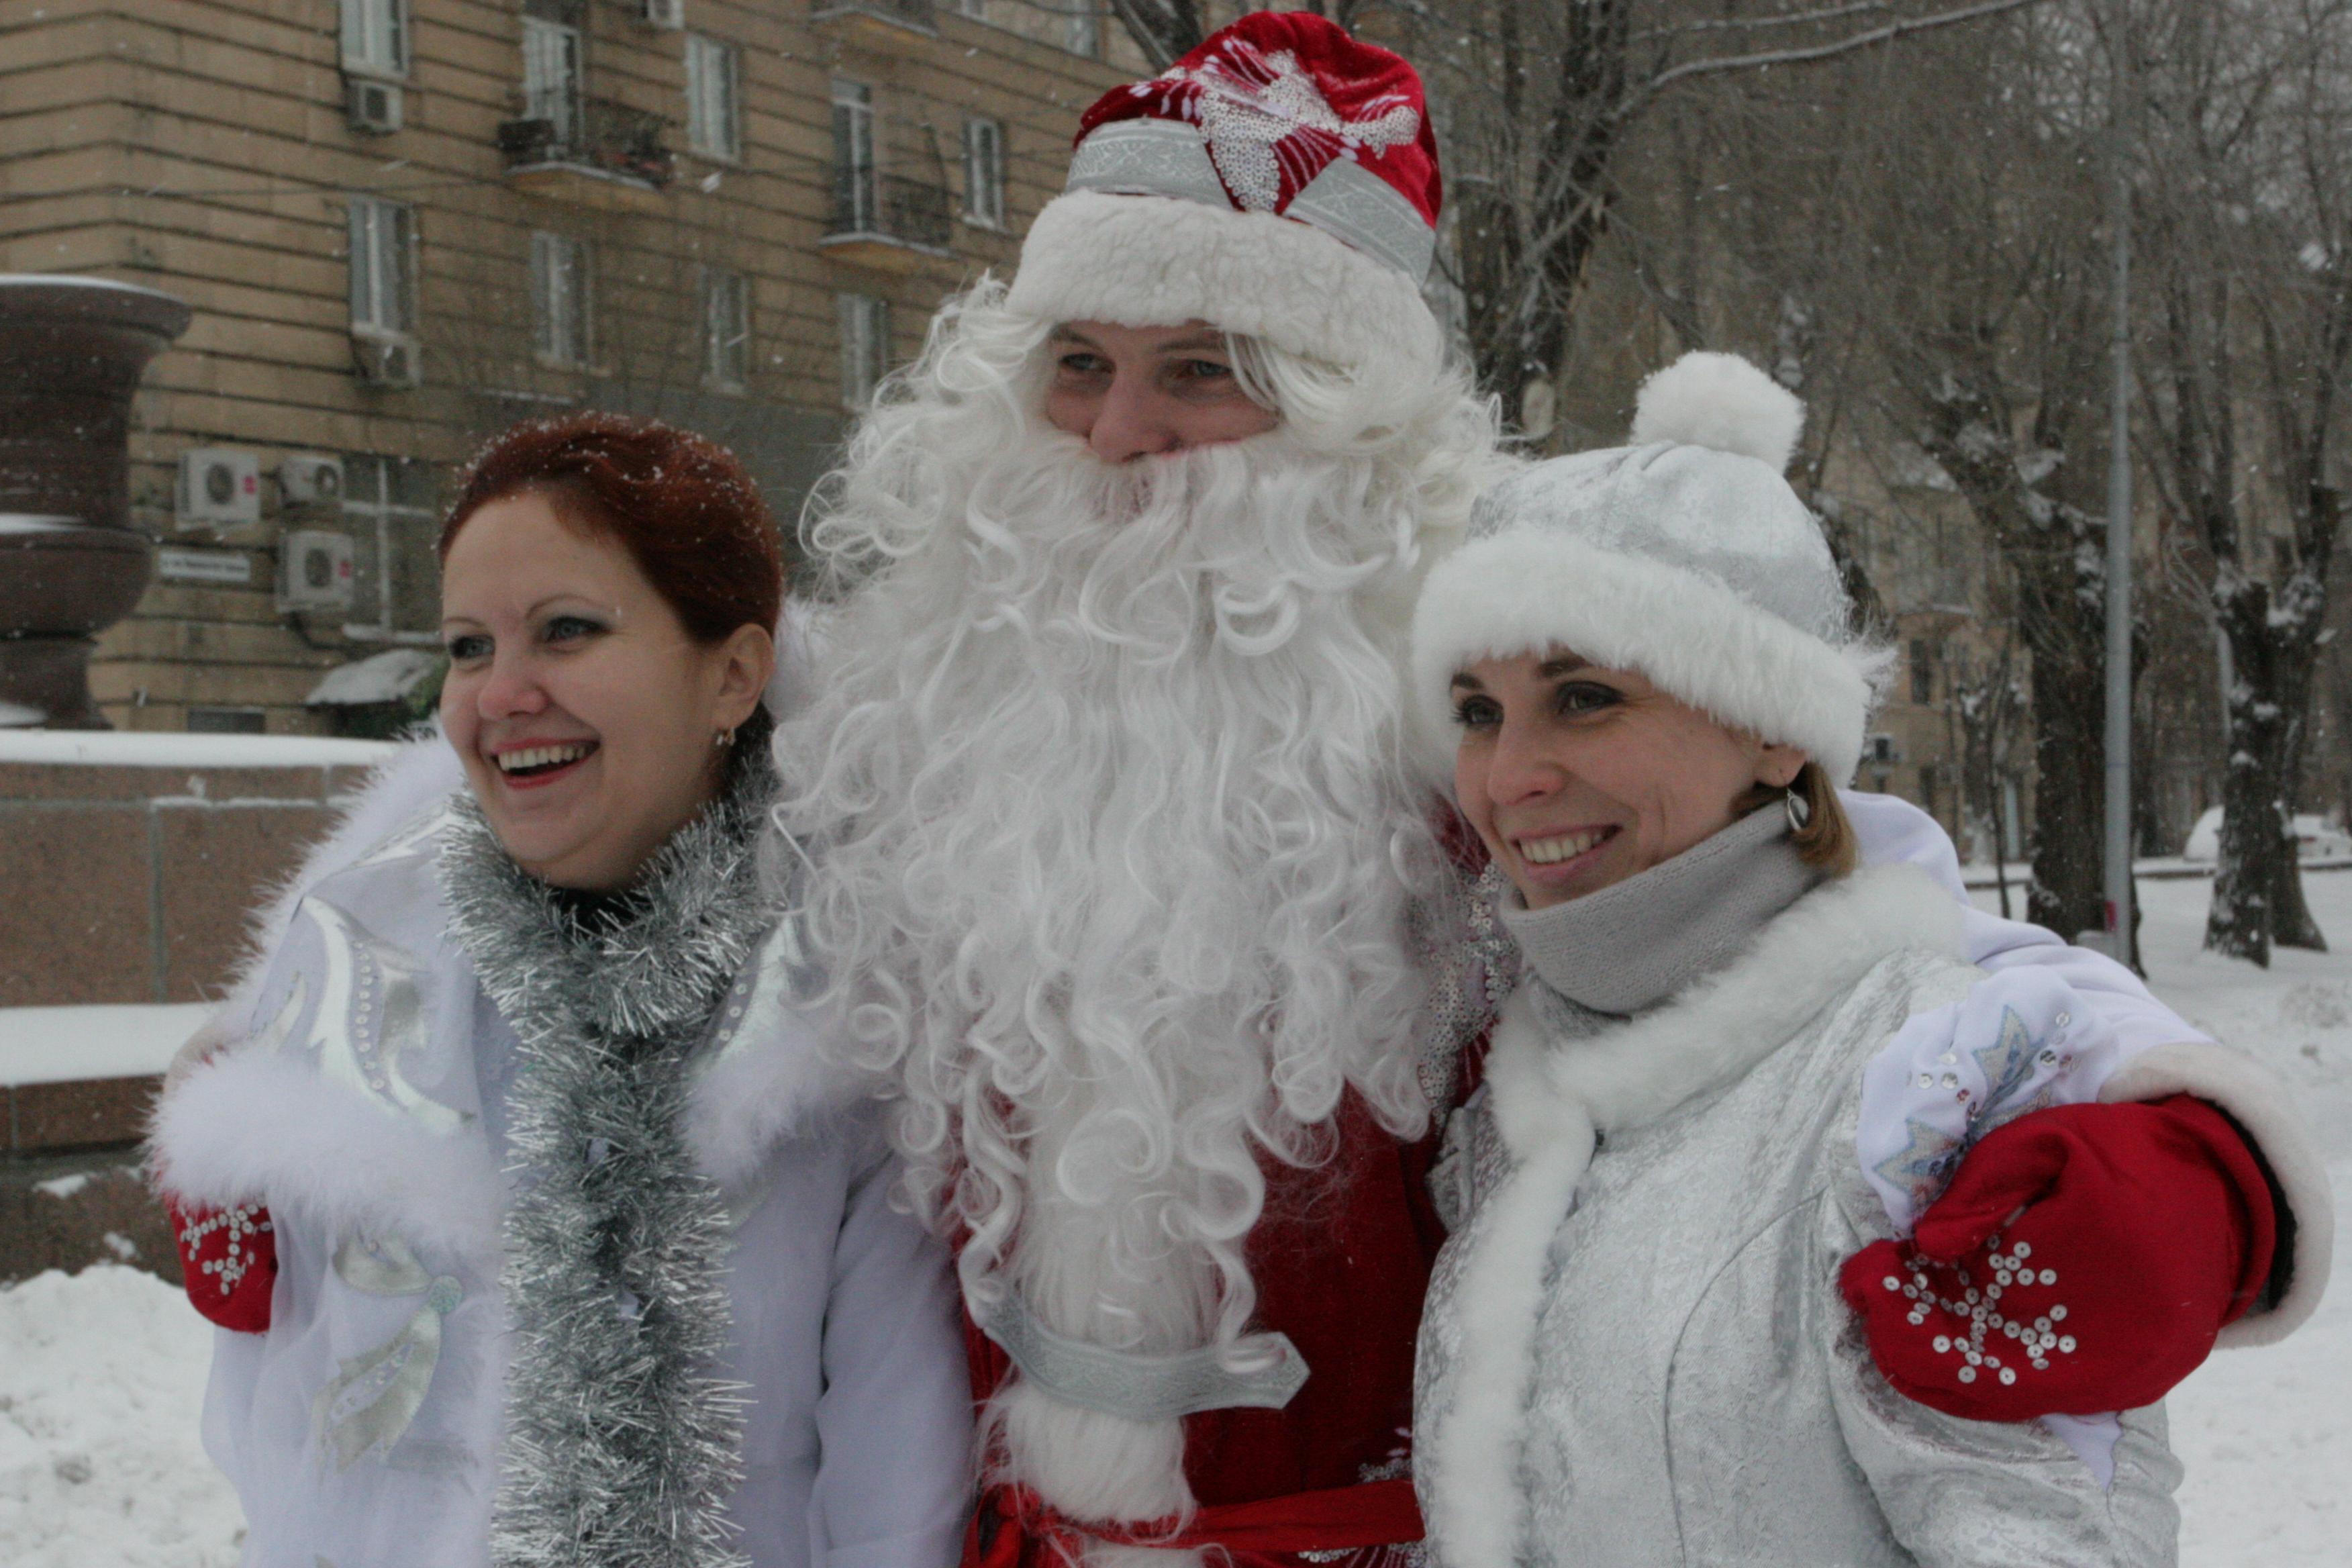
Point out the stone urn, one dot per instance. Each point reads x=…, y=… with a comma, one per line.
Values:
x=71, y=351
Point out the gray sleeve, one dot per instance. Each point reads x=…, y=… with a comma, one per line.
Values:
x=894, y=1420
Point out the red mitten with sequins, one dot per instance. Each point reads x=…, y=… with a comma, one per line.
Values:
x=2082, y=1260
x=228, y=1259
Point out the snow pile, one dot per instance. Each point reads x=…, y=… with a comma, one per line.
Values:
x=101, y=1377
x=57, y=1044
x=173, y=749
x=387, y=677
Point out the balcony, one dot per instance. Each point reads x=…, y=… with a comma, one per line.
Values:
x=877, y=24
x=889, y=222
x=591, y=151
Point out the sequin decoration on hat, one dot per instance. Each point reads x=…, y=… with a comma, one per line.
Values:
x=1295, y=118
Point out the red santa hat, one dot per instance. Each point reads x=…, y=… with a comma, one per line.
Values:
x=1279, y=181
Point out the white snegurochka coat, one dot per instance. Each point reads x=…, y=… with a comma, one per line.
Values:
x=1668, y=1374
x=363, y=1429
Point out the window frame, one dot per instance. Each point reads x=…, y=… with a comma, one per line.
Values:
x=554, y=75
x=373, y=39
x=374, y=518
x=714, y=98
x=861, y=181
x=726, y=343
x=1082, y=32
x=381, y=235
x=865, y=347
x=983, y=171
x=563, y=321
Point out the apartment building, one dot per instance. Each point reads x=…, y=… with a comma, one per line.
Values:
x=403, y=224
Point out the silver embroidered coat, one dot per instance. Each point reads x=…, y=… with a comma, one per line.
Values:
x=1695, y=1391
x=365, y=1428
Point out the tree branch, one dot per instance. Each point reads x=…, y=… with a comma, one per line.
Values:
x=1812, y=54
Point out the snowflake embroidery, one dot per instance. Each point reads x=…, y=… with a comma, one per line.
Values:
x=2038, y=1330
x=236, y=1258
x=2007, y=1062
x=1923, y=1164
x=1270, y=129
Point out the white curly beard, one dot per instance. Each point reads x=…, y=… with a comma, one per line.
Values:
x=1105, y=772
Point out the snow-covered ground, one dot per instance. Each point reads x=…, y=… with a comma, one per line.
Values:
x=2264, y=1434
x=101, y=1374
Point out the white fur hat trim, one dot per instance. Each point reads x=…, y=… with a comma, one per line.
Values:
x=1534, y=589
x=1160, y=261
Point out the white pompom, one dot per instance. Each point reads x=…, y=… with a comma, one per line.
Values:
x=1721, y=402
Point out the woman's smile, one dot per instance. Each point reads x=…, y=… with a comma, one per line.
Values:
x=535, y=764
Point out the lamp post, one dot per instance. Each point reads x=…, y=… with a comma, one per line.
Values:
x=2117, y=857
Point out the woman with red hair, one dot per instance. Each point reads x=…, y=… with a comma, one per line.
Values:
x=538, y=1230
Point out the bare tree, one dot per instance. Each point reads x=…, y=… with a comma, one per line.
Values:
x=1535, y=102
x=1165, y=31
x=2245, y=133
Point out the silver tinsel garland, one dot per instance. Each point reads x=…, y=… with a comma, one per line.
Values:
x=621, y=1446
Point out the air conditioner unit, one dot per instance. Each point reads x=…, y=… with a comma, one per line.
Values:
x=219, y=485
x=387, y=362
x=310, y=478
x=373, y=107
x=669, y=14
x=1883, y=752
x=315, y=570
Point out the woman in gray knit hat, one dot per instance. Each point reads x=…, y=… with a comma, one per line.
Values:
x=1704, y=1305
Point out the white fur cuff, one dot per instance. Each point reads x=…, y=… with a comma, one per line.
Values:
x=2256, y=1098
x=262, y=1127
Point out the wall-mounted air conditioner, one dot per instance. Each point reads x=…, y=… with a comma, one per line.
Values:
x=219, y=486
x=373, y=107
x=667, y=15
x=387, y=362
x=310, y=478
x=315, y=570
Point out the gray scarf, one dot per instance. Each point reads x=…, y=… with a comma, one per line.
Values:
x=620, y=1447
x=1635, y=943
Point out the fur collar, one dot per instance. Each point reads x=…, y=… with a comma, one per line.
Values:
x=1718, y=1028
x=1551, y=1097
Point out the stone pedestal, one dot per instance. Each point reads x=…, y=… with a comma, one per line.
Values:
x=71, y=351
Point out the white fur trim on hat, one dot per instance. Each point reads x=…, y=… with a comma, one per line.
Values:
x=1530, y=589
x=1160, y=261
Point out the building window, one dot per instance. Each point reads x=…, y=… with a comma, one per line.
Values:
x=726, y=329
x=714, y=122
x=388, y=507
x=383, y=267
x=550, y=75
x=853, y=159
x=1083, y=35
x=865, y=347
x=1923, y=672
x=375, y=36
x=559, y=299
x=983, y=172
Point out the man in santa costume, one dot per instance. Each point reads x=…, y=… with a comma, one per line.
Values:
x=1119, y=869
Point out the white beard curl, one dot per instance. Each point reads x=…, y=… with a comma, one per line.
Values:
x=1115, y=852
